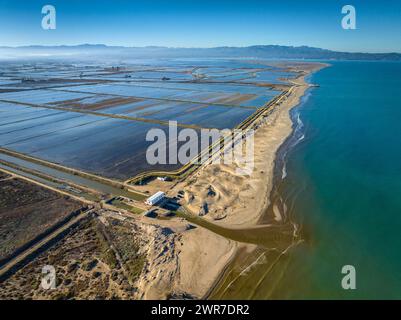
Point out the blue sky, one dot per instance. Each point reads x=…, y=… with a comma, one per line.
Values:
x=204, y=23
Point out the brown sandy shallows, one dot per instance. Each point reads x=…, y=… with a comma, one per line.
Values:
x=108, y=102
x=235, y=99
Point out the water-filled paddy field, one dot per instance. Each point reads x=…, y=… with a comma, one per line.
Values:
x=96, y=117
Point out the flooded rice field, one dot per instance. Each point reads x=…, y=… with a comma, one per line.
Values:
x=96, y=117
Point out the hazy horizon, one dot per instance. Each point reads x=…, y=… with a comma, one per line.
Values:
x=180, y=47
x=206, y=24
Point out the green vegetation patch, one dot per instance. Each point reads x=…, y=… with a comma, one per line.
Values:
x=123, y=240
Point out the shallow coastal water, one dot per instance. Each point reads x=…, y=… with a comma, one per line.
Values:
x=339, y=178
x=344, y=183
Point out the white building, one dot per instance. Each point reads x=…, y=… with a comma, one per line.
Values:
x=164, y=178
x=157, y=197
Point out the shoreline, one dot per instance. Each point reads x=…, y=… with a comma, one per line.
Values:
x=239, y=201
x=256, y=190
x=214, y=254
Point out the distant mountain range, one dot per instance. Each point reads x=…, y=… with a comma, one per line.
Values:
x=257, y=51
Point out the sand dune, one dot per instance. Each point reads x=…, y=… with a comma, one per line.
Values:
x=220, y=194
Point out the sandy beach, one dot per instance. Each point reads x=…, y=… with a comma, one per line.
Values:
x=182, y=261
x=234, y=201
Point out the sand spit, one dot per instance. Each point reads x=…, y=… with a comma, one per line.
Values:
x=219, y=194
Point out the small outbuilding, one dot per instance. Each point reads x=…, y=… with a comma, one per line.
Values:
x=156, y=198
x=164, y=179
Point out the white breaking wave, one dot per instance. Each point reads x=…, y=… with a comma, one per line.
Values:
x=298, y=136
x=284, y=171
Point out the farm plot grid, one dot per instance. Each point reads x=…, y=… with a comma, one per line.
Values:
x=95, y=118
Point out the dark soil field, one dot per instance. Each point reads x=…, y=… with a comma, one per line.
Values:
x=4, y=175
x=27, y=210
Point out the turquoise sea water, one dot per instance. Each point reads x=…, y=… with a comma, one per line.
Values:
x=343, y=184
